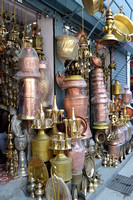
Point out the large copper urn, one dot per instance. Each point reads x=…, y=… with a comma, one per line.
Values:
x=75, y=97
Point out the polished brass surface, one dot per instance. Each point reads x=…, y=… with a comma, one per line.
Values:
x=66, y=46
x=40, y=146
x=63, y=166
x=38, y=169
x=117, y=88
x=92, y=6
x=91, y=188
x=123, y=27
x=89, y=166
x=37, y=42
x=39, y=192
x=109, y=39
x=74, y=78
x=31, y=186
x=100, y=125
x=100, y=137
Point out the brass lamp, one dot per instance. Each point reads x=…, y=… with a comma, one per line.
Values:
x=109, y=39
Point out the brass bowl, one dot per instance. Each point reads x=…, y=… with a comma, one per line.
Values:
x=124, y=27
x=92, y=6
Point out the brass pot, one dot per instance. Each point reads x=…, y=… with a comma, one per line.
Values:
x=67, y=46
x=40, y=146
x=123, y=27
x=29, y=87
x=29, y=108
x=127, y=96
x=92, y=6
x=116, y=88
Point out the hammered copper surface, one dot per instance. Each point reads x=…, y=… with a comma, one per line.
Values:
x=28, y=64
x=29, y=87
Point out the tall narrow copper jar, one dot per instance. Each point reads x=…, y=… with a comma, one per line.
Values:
x=75, y=96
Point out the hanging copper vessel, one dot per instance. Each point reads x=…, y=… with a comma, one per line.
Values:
x=98, y=46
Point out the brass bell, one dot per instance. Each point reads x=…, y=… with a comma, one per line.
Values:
x=95, y=181
x=110, y=162
x=109, y=40
x=91, y=188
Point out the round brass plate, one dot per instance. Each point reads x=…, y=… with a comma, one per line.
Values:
x=38, y=169
x=100, y=137
x=63, y=189
x=89, y=166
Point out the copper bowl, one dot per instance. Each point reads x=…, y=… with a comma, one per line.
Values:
x=96, y=62
x=97, y=70
x=28, y=64
x=129, y=111
x=98, y=45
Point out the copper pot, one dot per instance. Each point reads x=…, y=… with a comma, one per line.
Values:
x=29, y=87
x=97, y=84
x=29, y=108
x=101, y=95
x=99, y=90
x=98, y=87
x=98, y=100
x=120, y=132
x=129, y=111
x=97, y=75
x=98, y=117
x=96, y=62
x=96, y=79
x=74, y=81
x=76, y=99
x=114, y=149
x=127, y=96
x=97, y=70
x=28, y=64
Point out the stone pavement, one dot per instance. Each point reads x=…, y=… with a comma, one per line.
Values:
x=15, y=190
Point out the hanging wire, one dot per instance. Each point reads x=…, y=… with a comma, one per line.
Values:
x=15, y=10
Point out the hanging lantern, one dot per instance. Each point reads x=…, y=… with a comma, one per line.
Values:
x=109, y=39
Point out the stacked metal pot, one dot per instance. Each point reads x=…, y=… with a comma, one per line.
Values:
x=99, y=99
x=29, y=96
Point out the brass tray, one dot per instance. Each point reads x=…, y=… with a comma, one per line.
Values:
x=89, y=166
x=123, y=25
x=38, y=169
x=92, y=6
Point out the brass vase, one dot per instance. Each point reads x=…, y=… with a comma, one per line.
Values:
x=40, y=146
